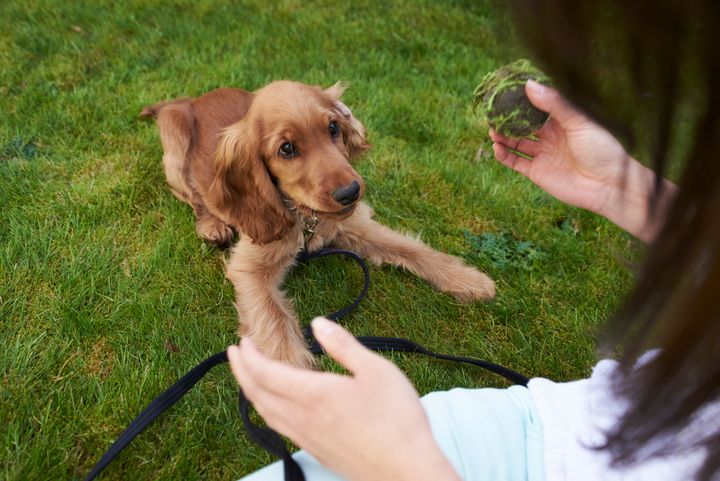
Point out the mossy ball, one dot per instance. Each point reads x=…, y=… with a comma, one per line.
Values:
x=502, y=100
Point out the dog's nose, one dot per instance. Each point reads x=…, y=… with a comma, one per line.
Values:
x=348, y=194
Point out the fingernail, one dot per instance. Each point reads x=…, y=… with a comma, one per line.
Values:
x=535, y=87
x=323, y=326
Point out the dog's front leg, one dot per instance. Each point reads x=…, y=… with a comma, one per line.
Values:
x=380, y=244
x=266, y=315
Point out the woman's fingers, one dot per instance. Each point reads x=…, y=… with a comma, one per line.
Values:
x=257, y=372
x=268, y=403
x=549, y=100
x=341, y=345
x=511, y=159
x=524, y=145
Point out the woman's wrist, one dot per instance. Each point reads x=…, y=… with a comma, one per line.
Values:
x=629, y=202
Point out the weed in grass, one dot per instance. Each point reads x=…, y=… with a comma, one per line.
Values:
x=20, y=148
x=504, y=251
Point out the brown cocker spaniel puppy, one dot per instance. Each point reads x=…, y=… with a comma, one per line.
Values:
x=274, y=165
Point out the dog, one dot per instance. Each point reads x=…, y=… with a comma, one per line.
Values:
x=274, y=166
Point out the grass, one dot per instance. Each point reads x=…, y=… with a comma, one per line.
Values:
x=106, y=294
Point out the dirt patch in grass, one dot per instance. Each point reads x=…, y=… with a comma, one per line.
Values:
x=100, y=361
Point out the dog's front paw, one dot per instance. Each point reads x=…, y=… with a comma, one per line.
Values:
x=299, y=357
x=289, y=349
x=469, y=285
x=215, y=231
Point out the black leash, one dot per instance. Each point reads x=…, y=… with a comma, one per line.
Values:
x=308, y=256
x=159, y=405
x=398, y=344
x=263, y=436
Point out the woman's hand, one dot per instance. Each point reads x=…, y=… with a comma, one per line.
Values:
x=366, y=426
x=580, y=163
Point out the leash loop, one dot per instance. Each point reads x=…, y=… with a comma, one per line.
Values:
x=308, y=256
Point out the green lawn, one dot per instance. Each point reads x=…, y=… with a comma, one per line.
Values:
x=106, y=294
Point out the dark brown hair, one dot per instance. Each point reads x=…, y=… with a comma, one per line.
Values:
x=650, y=72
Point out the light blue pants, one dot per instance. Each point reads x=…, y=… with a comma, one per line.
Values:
x=487, y=434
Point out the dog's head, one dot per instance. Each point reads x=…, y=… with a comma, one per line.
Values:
x=295, y=142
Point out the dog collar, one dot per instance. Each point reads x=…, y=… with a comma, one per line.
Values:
x=309, y=223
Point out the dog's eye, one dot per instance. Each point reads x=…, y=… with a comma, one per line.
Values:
x=287, y=150
x=334, y=129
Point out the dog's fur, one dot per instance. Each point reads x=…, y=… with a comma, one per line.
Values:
x=222, y=156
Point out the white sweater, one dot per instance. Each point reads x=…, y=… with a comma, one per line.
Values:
x=576, y=415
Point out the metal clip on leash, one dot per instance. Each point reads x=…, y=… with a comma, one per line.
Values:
x=266, y=437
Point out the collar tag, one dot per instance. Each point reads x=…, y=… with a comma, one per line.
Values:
x=309, y=226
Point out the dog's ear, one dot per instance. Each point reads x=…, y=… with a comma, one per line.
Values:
x=353, y=131
x=242, y=192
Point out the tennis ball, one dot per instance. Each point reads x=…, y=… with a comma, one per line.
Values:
x=502, y=100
